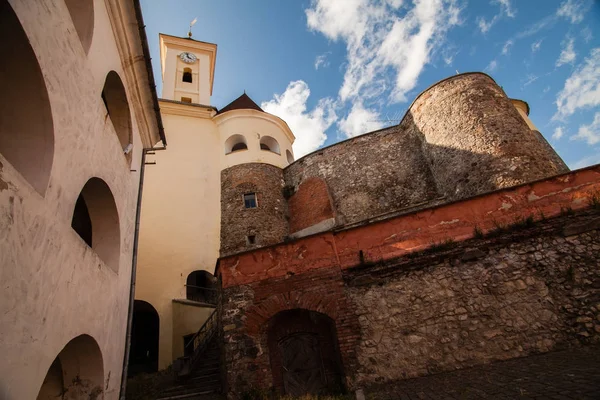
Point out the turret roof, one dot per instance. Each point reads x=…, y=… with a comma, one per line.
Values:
x=242, y=102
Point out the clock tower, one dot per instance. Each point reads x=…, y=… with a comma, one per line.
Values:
x=188, y=69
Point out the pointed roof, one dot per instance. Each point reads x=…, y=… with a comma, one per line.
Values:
x=242, y=102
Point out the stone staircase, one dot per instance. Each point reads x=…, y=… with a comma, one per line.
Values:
x=203, y=382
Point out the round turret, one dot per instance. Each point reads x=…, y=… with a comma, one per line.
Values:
x=477, y=141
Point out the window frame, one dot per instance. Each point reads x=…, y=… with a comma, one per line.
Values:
x=255, y=200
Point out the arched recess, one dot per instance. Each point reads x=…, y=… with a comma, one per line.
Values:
x=290, y=157
x=82, y=15
x=201, y=286
x=143, y=354
x=304, y=353
x=187, y=75
x=270, y=144
x=26, y=127
x=235, y=143
x=76, y=373
x=96, y=221
x=115, y=100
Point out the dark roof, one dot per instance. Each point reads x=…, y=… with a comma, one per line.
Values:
x=242, y=102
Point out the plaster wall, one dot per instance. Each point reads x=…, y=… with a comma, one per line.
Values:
x=253, y=124
x=180, y=220
x=55, y=287
x=187, y=319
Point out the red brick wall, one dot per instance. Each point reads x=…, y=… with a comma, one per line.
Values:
x=416, y=231
x=310, y=204
x=320, y=290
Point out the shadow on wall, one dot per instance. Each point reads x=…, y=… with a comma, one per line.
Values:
x=399, y=168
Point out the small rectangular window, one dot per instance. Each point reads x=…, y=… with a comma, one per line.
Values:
x=250, y=200
x=251, y=239
x=186, y=100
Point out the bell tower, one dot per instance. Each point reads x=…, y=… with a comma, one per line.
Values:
x=188, y=69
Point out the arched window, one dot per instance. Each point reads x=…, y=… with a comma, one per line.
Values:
x=145, y=333
x=235, y=143
x=77, y=370
x=26, y=128
x=270, y=144
x=290, y=157
x=187, y=75
x=115, y=100
x=82, y=15
x=200, y=286
x=96, y=221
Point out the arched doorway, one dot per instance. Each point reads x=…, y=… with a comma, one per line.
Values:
x=200, y=286
x=76, y=373
x=143, y=354
x=304, y=353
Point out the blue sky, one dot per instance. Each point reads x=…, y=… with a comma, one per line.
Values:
x=335, y=69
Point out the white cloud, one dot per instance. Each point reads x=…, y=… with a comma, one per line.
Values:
x=535, y=46
x=321, y=61
x=582, y=88
x=360, y=120
x=586, y=34
x=485, y=26
x=380, y=40
x=308, y=126
x=589, y=133
x=558, y=133
x=505, y=9
x=507, y=46
x=586, y=161
x=574, y=10
x=546, y=89
x=492, y=66
x=567, y=54
x=530, y=79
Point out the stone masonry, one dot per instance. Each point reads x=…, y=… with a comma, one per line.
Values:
x=523, y=292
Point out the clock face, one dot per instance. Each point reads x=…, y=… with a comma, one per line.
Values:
x=187, y=57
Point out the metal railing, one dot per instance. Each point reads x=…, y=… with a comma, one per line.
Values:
x=199, y=342
x=201, y=294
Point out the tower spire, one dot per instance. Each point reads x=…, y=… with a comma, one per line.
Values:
x=192, y=24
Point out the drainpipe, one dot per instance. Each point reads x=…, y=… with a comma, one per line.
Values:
x=133, y=271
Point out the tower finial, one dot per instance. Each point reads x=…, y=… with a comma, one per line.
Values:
x=192, y=24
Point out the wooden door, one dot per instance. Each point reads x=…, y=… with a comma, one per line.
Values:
x=302, y=365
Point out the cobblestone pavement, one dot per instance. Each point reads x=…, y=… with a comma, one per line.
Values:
x=569, y=374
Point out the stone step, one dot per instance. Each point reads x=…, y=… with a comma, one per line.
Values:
x=195, y=384
x=206, y=394
x=183, y=393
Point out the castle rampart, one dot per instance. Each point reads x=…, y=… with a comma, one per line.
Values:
x=461, y=137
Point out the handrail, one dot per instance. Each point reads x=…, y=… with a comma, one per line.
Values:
x=201, y=338
x=201, y=287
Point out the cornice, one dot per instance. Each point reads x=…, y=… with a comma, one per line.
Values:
x=123, y=18
x=171, y=107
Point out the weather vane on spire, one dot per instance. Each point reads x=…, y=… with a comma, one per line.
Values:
x=192, y=24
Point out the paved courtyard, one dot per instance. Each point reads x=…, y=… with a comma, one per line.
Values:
x=569, y=374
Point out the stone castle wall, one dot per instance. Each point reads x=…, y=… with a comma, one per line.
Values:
x=510, y=295
x=497, y=276
x=476, y=140
x=267, y=222
x=492, y=299
x=370, y=175
x=461, y=137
